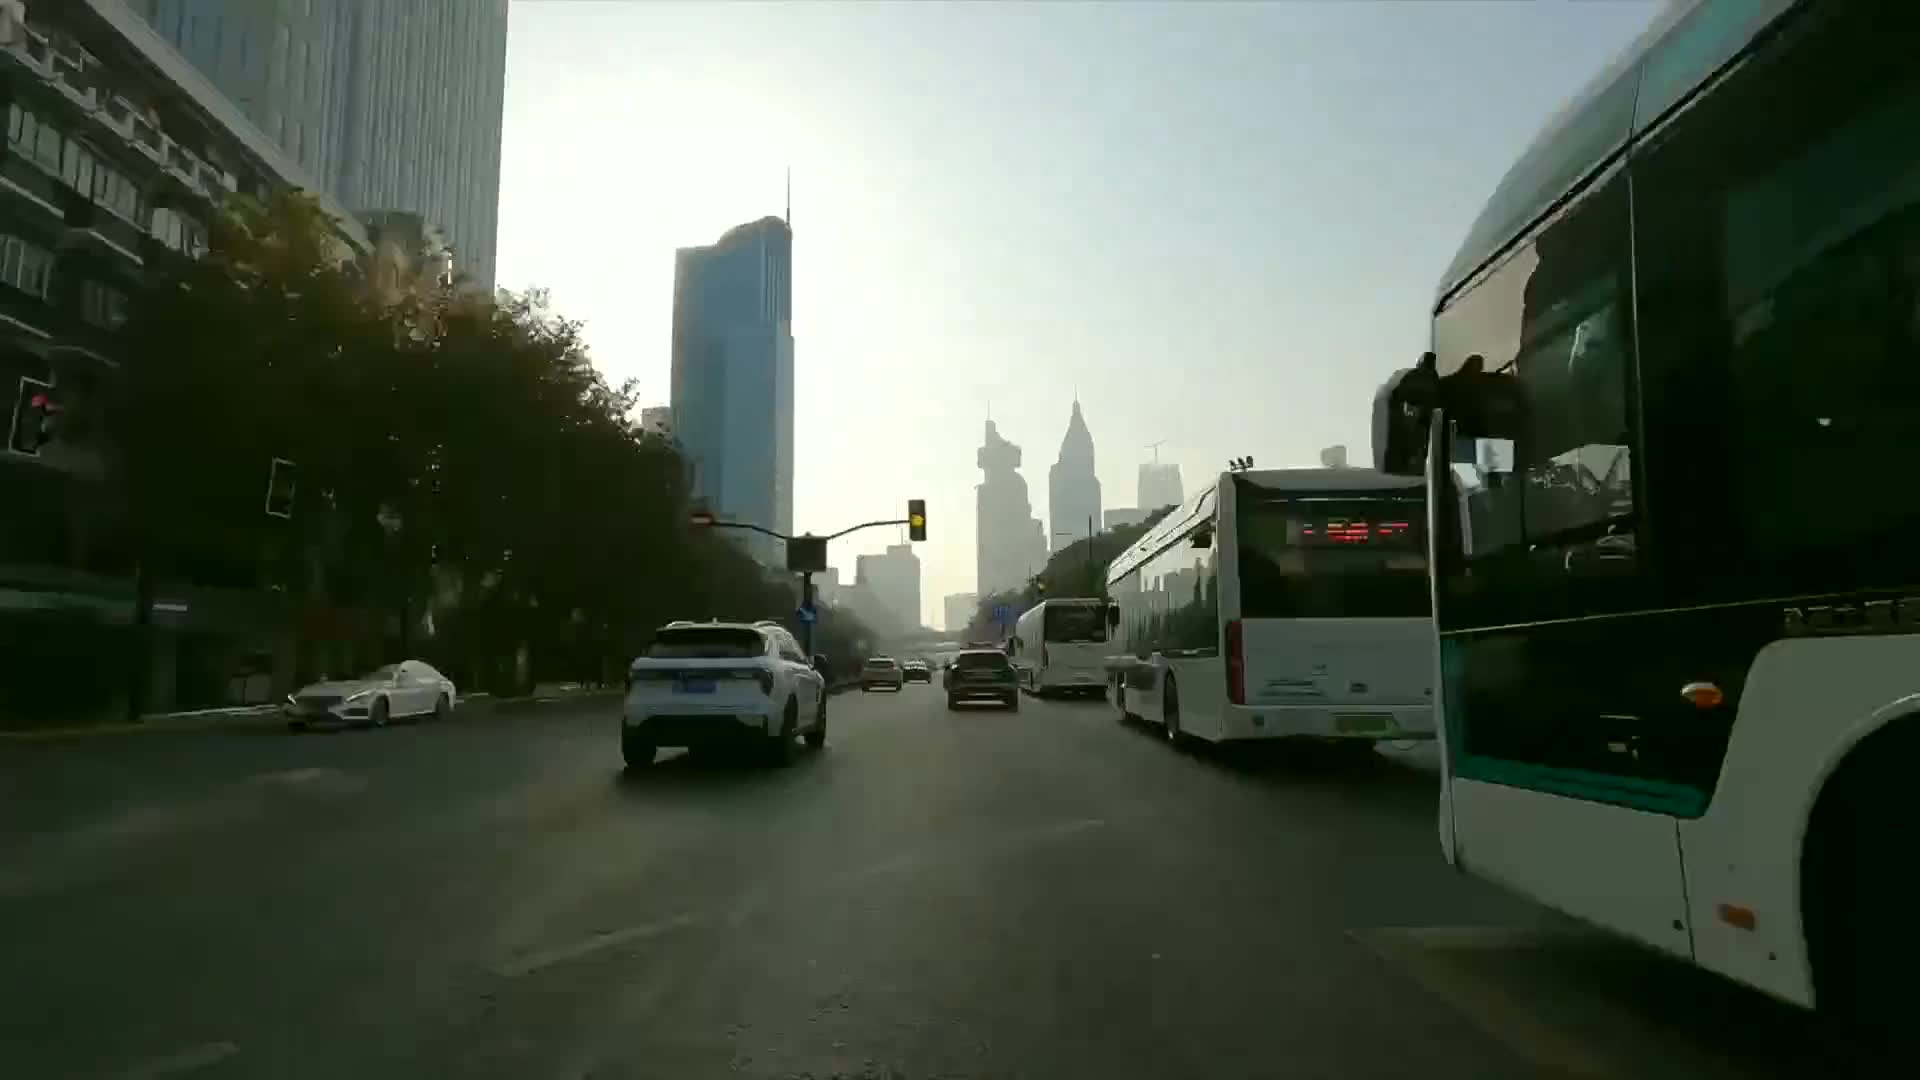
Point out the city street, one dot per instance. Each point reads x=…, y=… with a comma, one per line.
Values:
x=1045, y=894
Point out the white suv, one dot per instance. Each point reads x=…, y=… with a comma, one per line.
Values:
x=707, y=685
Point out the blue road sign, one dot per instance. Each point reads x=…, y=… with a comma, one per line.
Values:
x=999, y=613
x=806, y=615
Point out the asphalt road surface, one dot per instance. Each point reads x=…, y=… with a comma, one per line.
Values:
x=1045, y=894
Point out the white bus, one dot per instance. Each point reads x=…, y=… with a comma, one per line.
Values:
x=1280, y=603
x=1675, y=374
x=1060, y=647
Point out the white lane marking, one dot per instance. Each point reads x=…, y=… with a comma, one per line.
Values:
x=315, y=781
x=1419, y=953
x=599, y=943
x=192, y=1059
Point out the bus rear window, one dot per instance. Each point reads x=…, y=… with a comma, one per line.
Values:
x=1075, y=622
x=1331, y=556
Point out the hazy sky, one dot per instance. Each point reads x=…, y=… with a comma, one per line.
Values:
x=1220, y=224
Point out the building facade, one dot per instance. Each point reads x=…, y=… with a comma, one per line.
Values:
x=1159, y=486
x=394, y=105
x=118, y=154
x=1009, y=543
x=732, y=379
x=958, y=610
x=657, y=420
x=1073, y=489
x=891, y=581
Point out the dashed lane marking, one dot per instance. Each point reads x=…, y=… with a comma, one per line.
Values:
x=190, y=1060
x=599, y=943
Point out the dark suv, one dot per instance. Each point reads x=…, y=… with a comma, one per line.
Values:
x=982, y=674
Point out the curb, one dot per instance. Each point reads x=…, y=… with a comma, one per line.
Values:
x=247, y=718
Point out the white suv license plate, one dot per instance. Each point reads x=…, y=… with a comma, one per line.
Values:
x=696, y=686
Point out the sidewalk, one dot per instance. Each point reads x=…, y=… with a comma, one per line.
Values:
x=246, y=717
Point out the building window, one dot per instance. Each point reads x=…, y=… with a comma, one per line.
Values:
x=27, y=267
x=77, y=167
x=113, y=190
x=179, y=231
x=102, y=305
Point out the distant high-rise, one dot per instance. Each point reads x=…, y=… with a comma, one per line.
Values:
x=892, y=580
x=1159, y=486
x=733, y=377
x=1009, y=542
x=958, y=609
x=390, y=105
x=1073, y=491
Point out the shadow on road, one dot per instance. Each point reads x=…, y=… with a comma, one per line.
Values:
x=1304, y=764
x=713, y=771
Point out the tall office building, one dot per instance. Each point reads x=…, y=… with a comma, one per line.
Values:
x=388, y=104
x=732, y=378
x=1010, y=543
x=1159, y=486
x=1073, y=491
x=892, y=582
x=958, y=610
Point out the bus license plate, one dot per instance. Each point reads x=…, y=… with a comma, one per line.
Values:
x=696, y=686
x=1362, y=723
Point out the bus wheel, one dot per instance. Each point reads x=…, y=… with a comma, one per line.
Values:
x=1857, y=972
x=1170, y=715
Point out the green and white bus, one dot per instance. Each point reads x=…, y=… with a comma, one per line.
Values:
x=1675, y=370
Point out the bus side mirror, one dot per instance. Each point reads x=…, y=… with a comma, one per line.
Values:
x=1113, y=615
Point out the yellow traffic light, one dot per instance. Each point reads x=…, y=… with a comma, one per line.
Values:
x=916, y=519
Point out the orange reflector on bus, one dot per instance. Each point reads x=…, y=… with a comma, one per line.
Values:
x=1736, y=916
x=1703, y=695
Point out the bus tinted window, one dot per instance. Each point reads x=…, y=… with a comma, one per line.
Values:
x=1075, y=622
x=1544, y=524
x=1340, y=556
x=1778, y=230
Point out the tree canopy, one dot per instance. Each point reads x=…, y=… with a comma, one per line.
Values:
x=460, y=465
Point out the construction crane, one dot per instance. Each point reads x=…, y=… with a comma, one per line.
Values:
x=1155, y=447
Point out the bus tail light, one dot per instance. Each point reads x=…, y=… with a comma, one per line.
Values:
x=1236, y=664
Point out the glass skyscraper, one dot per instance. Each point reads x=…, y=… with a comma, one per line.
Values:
x=733, y=376
x=390, y=104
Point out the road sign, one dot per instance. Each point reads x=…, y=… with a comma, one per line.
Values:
x=1000, y=613
x=806, y=615
x=807, y=554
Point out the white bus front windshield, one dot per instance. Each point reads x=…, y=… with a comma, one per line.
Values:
x=1075, y=622
x=1315, y=556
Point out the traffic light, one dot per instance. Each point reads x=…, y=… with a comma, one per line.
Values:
x=282, y=477
x=36, y=417
x=916, y=519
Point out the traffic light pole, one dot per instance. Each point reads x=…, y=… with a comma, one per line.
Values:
x=806, y=576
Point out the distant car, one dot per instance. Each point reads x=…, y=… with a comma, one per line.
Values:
x=882, y=671
x=407, y=690
x=916, y=671
x=982, y=674
x=708, y=685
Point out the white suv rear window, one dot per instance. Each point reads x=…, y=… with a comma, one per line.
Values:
x=707, y=643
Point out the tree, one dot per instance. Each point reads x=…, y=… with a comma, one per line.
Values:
x=462, y=466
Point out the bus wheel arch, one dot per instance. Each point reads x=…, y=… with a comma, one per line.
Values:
x=1843, y=875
